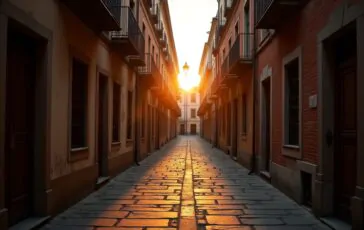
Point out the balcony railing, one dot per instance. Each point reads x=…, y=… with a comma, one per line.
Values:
x=269, y=14
x=106, y=15
x=163, y=40
x=229, y=4
x=240, y=56
x=154, y=12
x=159, y=29
x=129, y=38
x=150, y=72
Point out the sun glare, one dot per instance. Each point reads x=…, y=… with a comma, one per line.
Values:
x=188, y=82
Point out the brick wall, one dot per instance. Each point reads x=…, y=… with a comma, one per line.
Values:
x=301, y=31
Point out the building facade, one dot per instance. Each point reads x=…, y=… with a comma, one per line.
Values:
x=208, y=73
x=297, y=95
x=189, y=122
x=77, y=95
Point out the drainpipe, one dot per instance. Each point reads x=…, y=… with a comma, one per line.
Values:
x=253, y=159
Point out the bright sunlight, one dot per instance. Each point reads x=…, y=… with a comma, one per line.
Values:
x=188, y=82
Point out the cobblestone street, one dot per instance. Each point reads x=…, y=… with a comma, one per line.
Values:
x=186, y=185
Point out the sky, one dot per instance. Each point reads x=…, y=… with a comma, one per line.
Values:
x=191, y=21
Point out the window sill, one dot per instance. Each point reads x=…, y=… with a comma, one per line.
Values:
x=292, y=151
x=244, y=136
x=78, y=154
x=129, y=142
x=116, y=143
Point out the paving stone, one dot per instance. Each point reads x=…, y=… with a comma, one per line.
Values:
x=261, y=221
x=143, y=222
x=222, y=220
x=292, y=220
x=187, y=211
x=117, y=228
x=86, y=222
x=225, y=212
x=213, y=197
x=158, y=202
x=153, y=215
x=228, y=228
x=187, y=223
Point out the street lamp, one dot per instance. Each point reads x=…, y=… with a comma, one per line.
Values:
x=185, y=70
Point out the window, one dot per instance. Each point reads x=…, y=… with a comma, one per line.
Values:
x=193, y=113
x=130, y=112
x=292, y=103
x=193, y=98
x=116, y=113
x=236, y=29
x=79, y=104
x=244, y=114
x=143, y=120
x=149, y=42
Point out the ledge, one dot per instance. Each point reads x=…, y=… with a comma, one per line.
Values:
x=78, y=154
x=291, y=151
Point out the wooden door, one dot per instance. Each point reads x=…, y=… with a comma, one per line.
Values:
x=182, y=129
x=345, y=156
x=193, y=129
x=267, y=95
x=235, y=128
x=20, y=103
x=102, y=126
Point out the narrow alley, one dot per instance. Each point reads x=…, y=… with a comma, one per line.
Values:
x=186, y=185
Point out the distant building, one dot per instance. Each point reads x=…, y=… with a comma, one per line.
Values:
x=189, y=122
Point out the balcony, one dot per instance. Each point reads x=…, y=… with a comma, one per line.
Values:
x=159, y=29
x=165, y=51
x=269, y=14
x=163, y=41
x=129, y=40
x=154, y=13
x=107, y=14
x=229, y=6
x=149, y=74
x=208, y=68
x=240, y=58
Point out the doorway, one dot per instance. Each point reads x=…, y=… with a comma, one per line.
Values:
x=102, y=140
x=20, y=125
x=235, y=141
x=266, y=126
x=345, y=124
x=182, y=129
x=193, y=129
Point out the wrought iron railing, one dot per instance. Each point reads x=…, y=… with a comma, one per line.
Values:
x=154, y=10
x=261, y=7
x=151, y=67
x=129, y=29
x=111, y=6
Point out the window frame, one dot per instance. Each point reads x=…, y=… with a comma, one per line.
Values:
x=129, y=117
x=116, y=84
x=82, y=153
x=193, y=98
x=193, y=113
x=293, y=151
x=244, y=114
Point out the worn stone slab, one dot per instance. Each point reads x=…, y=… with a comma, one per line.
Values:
x=222, y=220
x=143, y=222
x=152, y=215
x=86, y=222
x=261, y=221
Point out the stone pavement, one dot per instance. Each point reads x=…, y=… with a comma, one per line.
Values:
x=186, y=185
